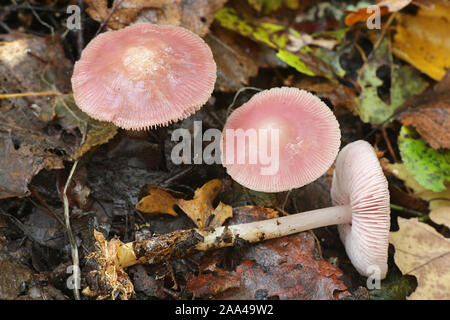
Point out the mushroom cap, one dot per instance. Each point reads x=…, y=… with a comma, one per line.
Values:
x=360, y=183
x=144, y=76
x=309, y=140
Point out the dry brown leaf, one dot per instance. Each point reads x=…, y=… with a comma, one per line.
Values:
x=441, y=216
x=207, y=285
x=234, y=66
x=26, y=146
x=200, y=209
x=194, y=15
x=13, y=277
x=283, y=268
x=421, y=251
x=126, y=13
x=341, y=96
x=422, y=40
x=430, y=114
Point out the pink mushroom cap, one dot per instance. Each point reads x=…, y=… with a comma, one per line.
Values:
x=359, y=182
x=308, y=136
x=144, y=76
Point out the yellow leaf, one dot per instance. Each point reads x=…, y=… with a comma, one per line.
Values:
x=200, y=209
x=421, y=251
x=423, y=40
x=158, y=201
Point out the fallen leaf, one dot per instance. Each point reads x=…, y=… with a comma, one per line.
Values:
x=208, y=285
x=429, y=49
x=194, y=15
x=363, y=14
x=158, y=201
x=199, y=14
x=393, y=5
x=441, y=216
x=429, y=114
x=436, y=199
x=26, y=145
x=405, y=82
x=64, y=109
x=383, y=6
x=284, y=268
x=429, y=167
x=295, y=62
x=267, y=6
x=128, y=11
x=234, y=66
x=276, y=37
x=200, y=209
x=339, y=95
x=423, y=252
x=30, y=141
x=13, y=279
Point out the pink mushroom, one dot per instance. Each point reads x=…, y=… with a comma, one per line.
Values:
x=362, y=212
x=144, y=75
x=307, y=140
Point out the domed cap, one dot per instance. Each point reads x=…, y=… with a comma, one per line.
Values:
x=144, y=75
x=307, y=143
x=359, y=182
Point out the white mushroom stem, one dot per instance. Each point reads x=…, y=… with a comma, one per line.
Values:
x=183, y=242
x=275, y=228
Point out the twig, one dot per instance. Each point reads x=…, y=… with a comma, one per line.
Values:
x=388, y=143
x=118, y=3
x=5, y=26
x=421, y=215
x=230, y=107
x=80, y=38
x=73, y=245
x=29, y=94
x=52, y=30
x=72, y=242
x=383, y=32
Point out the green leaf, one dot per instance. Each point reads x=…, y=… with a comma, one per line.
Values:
x=294, y=61
x=429, y=167
x=331, y=57
x=272, y=35
x=405, y=82
x=267, y=6
x=337, y=34
x=267, y=33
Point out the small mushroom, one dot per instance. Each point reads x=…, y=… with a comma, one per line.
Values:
x=308, y=140
x=143, y=76
x=362, y=212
